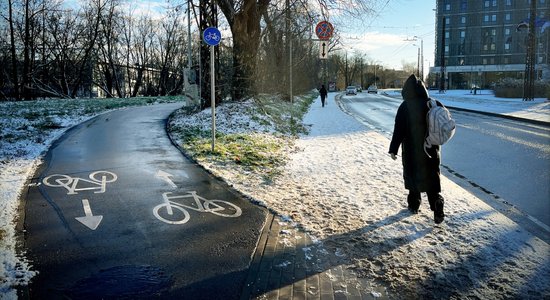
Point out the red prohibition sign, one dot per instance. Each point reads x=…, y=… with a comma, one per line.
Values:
x=324, y=30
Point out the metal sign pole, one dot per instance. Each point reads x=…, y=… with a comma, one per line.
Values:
x=213, y=97
x=212, y=37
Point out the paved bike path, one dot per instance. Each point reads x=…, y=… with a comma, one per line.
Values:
x=91, y=230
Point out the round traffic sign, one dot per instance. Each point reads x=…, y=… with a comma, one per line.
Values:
x=324, y=30
x=212, y=36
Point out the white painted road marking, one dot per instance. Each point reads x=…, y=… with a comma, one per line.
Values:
x=166, y=177
x=217, y=207
x=98, y=178
x=89, y=220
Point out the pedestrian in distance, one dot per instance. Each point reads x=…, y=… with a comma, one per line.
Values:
x=421, y=172
x=323, y=92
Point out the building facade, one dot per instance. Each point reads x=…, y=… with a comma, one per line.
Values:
x=483, y=41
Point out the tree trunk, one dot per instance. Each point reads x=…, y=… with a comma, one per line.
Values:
x=15, y=76
x=138, y=82
x=246, y=30
x=246, y=40
x=26, y=55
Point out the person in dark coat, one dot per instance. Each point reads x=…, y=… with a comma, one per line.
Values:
x=323, y=92
x=420, y=172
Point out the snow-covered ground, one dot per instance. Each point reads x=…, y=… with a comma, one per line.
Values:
x=340, y=185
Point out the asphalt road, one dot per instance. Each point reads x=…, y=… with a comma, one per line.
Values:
x=504, y=158
x=98, y=221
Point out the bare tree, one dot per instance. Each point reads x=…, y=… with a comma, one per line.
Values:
x=142, y=50
x=171, y=39
x=14, y=73
x=244, y=21
x=109, y=47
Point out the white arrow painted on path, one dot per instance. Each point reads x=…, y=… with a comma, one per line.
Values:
x=166, y=177
x=89, y=220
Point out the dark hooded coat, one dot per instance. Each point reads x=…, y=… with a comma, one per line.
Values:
x=421, y=173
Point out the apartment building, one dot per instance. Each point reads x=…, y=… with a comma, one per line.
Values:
x=486, y=40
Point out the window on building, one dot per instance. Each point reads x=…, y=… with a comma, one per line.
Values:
x=446, y=48
x=486, y=18
x=493, y=32
x=507, y=31
x=506, y=60
x=447, y=34
x=506, y=46
x=494, y=18
x=508, y=2
x=493, y=47
x=463, y=5
x=447, y=7
x=462, y=34
x=494, y=2
x=508, y=17
x=485, y=47
x=487, y=3
x=463, y=20
x=484, y=61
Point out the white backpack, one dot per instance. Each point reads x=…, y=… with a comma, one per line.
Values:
x=441, y=126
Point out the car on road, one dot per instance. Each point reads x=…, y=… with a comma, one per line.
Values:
x=351, y=90
x=372, y=89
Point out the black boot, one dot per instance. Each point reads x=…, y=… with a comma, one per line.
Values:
x=439, y=215
x=413, y=199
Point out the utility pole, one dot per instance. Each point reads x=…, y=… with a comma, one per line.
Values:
x=529, y=76
x=442, y=61
x=418, y=64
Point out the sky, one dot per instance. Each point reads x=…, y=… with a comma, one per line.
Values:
x=387, y=37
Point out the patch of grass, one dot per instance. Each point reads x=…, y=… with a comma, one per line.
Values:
x=261, y=153
x=286, y=116
x=31, y=115
x=251, y=151
x=48, y=123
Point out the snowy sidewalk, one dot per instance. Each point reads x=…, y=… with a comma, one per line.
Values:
x=343, y=189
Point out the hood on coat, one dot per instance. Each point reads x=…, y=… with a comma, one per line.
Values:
x=414, y=88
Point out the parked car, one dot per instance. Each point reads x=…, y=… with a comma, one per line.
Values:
x=372, y=89
x=359, y=89
x=351, y=90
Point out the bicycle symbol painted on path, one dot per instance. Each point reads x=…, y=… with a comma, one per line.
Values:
x=98, y=182
x=176, y=213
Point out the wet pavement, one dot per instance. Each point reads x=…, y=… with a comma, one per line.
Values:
x=117, y=211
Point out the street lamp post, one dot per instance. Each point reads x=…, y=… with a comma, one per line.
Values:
x=420, y=57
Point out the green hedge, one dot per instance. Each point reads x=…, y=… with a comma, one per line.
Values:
x=513, y=88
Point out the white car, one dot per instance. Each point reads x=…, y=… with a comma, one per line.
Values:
x=351, y=90
x=372, y=89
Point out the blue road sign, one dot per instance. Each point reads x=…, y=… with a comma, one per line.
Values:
x=212, y=36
